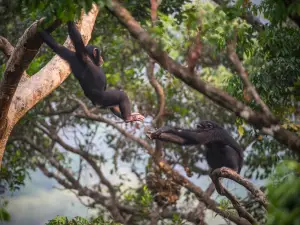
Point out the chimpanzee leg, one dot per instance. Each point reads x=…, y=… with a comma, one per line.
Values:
x=115, y=98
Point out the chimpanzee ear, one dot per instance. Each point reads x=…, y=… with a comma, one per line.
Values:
x=96, y=54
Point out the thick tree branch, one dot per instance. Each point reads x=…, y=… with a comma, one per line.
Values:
x=19, y=60
x=6, y=47
x=258, y=120
x=30, y=92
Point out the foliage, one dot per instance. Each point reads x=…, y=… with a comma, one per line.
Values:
x=271, y=58
x=277, y=11
x=61, y=220
x=4, y=214
x=13, y=170
x=283, y=194
x=64, y=10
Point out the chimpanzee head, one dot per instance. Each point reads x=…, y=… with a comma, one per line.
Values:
x=94, y=54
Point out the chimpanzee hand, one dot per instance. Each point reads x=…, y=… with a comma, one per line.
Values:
x=157, y=133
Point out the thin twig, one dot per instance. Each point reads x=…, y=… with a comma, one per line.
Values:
x=231, y=46
x=194, y=51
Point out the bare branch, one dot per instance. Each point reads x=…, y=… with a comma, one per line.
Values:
x=223, y=191
x=67, y=110
x=194, y=51
x=158, y=89
x=210, y=190
x=231, y=46
x=6, y=47
x=74, y=183
x=230, y=174
x=49, y=174
x=151, y=66
x=167, y=137
x=209, y=203
x=200, y=210
x=85, y=155
x=166, y=168
x=261, y=121
x=90, y=116
x=241, y=211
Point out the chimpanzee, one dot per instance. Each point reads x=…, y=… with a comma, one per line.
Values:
x=221, y=149
x=85, y=64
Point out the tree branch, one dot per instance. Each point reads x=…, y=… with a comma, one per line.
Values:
x=49, y=174
x=194, y=51
x=15, y=101
x=6, y=47
x=86, y=156
x=166, y=168
x=158, y=90
x=232, y=175
x=241, y=211
x=260, y=121
x=151, y=66
x=209, y=203
x=231, y=46
x=19, y=60
x=74, y=183
x=91, y=116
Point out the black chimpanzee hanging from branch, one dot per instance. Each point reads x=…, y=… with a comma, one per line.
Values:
x=85, y=64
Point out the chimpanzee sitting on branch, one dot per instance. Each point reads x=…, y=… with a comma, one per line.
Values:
x=221, y=149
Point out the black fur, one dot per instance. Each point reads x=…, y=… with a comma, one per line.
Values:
x=85, y=66
x=221, y=149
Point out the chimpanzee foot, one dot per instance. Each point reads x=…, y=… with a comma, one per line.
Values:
x=135, y=117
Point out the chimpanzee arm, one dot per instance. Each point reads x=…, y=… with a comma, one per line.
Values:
x=77, y=40
x=59, y=49
x=179, y=136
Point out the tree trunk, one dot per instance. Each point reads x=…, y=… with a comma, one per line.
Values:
x=32, y=90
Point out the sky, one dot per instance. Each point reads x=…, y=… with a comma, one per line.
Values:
x=41, y=200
